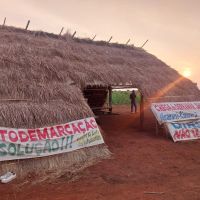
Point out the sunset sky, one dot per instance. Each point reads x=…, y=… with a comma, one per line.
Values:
x=172, y=26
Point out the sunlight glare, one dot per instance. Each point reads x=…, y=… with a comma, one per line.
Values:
x=187, y=72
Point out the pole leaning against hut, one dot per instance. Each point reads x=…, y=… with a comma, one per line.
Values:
x=4, y=22
x=27, y=25
x=142, y=112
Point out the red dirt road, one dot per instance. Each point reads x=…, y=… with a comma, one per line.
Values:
x=142, y=162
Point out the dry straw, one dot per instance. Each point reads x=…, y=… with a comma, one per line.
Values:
x=42, y=76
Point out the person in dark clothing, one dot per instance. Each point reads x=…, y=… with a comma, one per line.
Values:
x=133, y=101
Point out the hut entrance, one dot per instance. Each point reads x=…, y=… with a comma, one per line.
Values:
x=103, y=99
x=99, y=98
x=121, y=96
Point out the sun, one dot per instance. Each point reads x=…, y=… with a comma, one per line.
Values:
x=187, y=72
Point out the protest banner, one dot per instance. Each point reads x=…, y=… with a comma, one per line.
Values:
x=176, y=111
x=39, y=142
x=180, y=131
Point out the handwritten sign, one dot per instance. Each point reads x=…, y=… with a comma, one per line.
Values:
x=184, y=130
x=30, y=143
x=176, y=111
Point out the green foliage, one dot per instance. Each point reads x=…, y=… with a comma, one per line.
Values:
x=120, y=97
x=123, y=97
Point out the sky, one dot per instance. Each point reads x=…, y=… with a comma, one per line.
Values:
x=171, y=26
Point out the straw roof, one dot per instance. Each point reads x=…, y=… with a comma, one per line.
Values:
x=42, y=76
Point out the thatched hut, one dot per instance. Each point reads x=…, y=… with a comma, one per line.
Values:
x=43, y=78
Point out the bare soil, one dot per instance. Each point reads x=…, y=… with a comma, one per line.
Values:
x=143, y=166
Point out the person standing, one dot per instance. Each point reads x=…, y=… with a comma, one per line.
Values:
x=133, y=101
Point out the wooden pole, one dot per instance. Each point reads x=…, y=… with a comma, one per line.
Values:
x=27, y=24
x=144, y=44
x=4, y=22
x=142, y=112
x=110, y=39
x=110, y=98
x=61, y=30
x=157, y=127
x=74, y=34
x=128, y=41
x=94, y=37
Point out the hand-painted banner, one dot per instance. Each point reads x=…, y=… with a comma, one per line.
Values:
x=184, y=130
x=176, y=111
x=39, y=142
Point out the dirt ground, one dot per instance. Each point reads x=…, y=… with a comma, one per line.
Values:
x=143, y=166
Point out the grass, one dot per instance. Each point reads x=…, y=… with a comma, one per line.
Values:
x=122, y=98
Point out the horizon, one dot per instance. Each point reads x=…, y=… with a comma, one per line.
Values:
x=171, y=27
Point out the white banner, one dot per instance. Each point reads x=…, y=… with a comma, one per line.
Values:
x=184, y=130
x=176, y=111
x=30, y=143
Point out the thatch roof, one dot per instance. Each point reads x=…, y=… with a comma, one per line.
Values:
x=42, y=75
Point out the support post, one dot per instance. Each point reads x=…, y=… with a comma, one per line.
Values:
x=128, y=41
x=94, y=37
x=144, y=44
x=27, y=24
x=157, y=128
x=166, y=131
x=110, y=39
x=74, y=34
x=110, y=98
x=142, y=112
x=61, y=31
x=4, y=22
